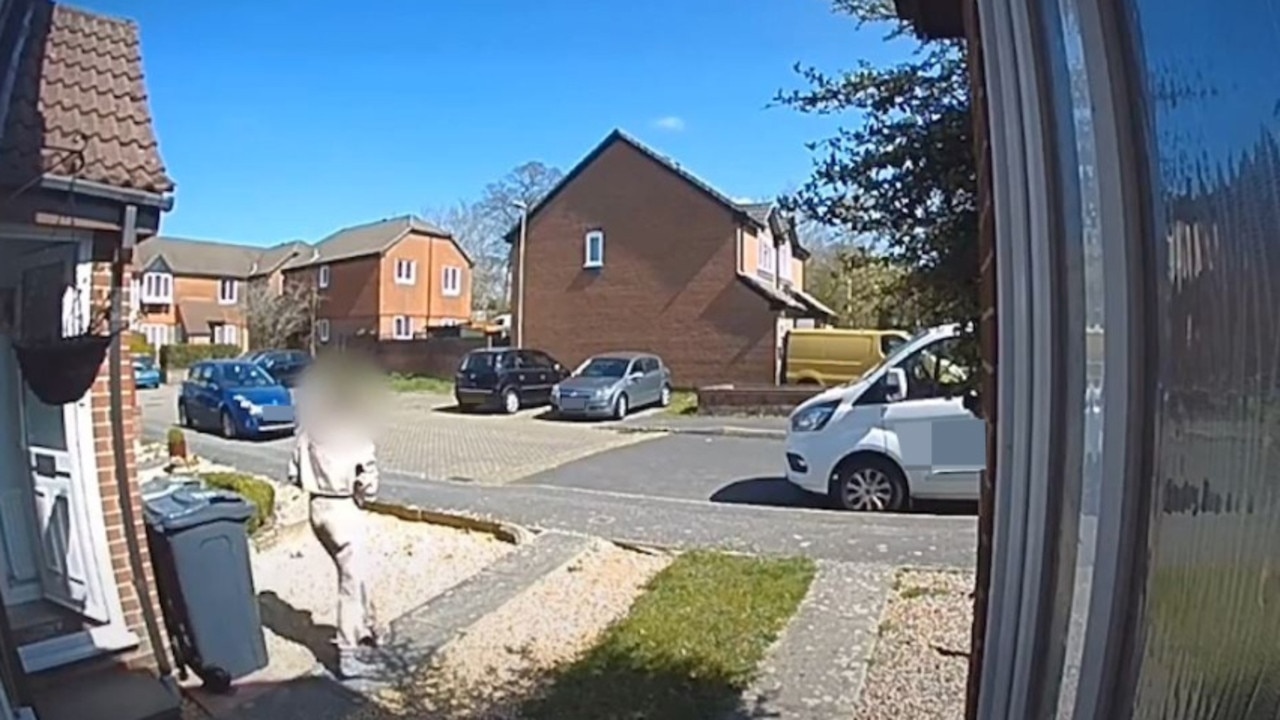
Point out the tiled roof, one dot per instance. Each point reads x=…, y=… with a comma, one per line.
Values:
x=758, y=211
x=372, y=238
x=203, y=257
x=79, y=86
x=196, y=316
x=670, y=164
x=773, y=294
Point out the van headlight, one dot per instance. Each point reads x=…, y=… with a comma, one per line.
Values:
x=814, y=417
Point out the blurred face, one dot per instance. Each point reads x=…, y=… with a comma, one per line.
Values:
x=341, y=394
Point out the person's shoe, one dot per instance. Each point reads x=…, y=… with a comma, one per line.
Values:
x=357, y=664
x=370, y=641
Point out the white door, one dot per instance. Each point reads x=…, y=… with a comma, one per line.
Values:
x=51, y=300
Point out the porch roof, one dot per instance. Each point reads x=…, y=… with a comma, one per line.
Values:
x=198, y=316
x=79, y=106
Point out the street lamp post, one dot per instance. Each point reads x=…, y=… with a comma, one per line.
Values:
x=523, y=207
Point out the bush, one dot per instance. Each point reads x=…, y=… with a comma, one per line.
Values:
x=177, y=443
x=138, y=345
x=185, y=355
x=257, y=491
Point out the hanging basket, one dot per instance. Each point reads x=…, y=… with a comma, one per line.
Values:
x=62, y=370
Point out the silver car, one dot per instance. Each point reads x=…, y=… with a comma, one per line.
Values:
x=610, y=385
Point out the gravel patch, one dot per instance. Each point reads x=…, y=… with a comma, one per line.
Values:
x=505, y=657
x=920, y=663
x=409, y=563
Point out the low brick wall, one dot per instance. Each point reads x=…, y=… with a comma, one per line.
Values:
x=753, y=399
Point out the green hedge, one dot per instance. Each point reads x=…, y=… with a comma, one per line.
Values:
x=256, y=490
x=185, y=355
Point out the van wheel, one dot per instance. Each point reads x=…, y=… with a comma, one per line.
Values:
x=869, y=483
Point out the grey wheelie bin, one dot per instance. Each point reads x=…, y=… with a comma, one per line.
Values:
x=200, y=552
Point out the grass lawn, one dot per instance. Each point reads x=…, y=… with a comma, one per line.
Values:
x=683, y=402
x=688, y=648
x=420, y=384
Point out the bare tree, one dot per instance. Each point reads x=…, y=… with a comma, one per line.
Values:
x=280, y=315
x=481, y=227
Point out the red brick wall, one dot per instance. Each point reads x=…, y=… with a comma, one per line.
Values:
x=668, y=284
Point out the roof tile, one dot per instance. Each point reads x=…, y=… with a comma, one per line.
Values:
x=80, y=86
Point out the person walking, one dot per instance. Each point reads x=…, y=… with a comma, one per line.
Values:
x=334, y=463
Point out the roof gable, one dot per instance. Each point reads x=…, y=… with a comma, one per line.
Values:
x=79, y=105
x=207, y=258
x=619, y=136
x=374, y=238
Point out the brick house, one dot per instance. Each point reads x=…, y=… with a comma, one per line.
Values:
x=81, y=180
x=632, y=252
x=394, y=279
x=197, y=291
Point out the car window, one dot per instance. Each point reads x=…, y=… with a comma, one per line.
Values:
x=889, y=343
x=527, y=359
x=648, y=365
x=604, y=367
x=477, y=362
x=507, y=361
x=243, y=375
x=542, y=359
x=199, y=373
x=935, y=370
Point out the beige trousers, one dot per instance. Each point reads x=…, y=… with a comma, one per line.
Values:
x=340, y=527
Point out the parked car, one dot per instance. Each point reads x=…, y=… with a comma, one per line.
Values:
x=831, y=356
x=902, y=431
x=284, y=365
x=613, y=384
x=146, y=374
x=506, y=379
x=235, y=397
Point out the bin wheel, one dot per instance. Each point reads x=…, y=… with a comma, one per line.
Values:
x=216, y=679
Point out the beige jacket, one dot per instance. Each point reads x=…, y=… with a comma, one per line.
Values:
x=335, y=467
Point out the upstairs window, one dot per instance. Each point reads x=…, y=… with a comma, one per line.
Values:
x=228, y=290
x=594, y=249
x=768, y=258
x=157, y=288
x=322, y=276
x=784, y=262
x=406, y=272
x=451, y=283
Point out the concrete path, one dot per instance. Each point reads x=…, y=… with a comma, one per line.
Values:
x=816, y=670
x=734, y=426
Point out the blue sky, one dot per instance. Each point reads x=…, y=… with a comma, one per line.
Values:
x=290, y=119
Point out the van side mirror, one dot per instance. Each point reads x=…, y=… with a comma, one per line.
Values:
x=895, y=385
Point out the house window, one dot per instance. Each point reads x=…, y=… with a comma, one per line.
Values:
x=402, y=327
x=784, y=262
x=406, y=272
x=322, y=276
x=322, y=330
x=451, y=284
x=228, y=289
x=224, y=334
x=768, y=258
x=158, y=335
x=594, y=249
x=157, y=288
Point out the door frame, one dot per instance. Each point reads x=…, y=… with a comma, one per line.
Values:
x=114, y=635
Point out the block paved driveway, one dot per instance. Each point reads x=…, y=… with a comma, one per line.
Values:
x=422, y=437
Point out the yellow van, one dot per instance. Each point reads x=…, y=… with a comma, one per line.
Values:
x=831, y=356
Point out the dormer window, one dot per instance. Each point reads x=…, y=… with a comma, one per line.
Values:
x=157, y=288
x=768, y=261
x=784, y=262
x=228, y=291
x=593, y=249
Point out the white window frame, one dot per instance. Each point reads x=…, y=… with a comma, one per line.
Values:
x=454, y=288
x=322, y=330
x=767, y=258
x=223, y=297
x=784, y=262
x=157, y=288
x=588, y=260
x=402, y=327
x=226, y=334
x=323, y=276
x=409, y=275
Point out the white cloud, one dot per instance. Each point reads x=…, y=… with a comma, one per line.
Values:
x=672, y=123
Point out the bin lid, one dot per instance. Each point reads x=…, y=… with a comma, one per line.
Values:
x=185, y=507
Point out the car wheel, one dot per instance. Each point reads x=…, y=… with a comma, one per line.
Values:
x=228, y=425
x=511, y=402
x=665, y=398
x=620, y=407
x=869, y=483
x=183, y=418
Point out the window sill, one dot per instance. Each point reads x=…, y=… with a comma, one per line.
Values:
x=592, y=266
x=405, y=282
x=146, y=300
x=227, y=302
x=446, y=293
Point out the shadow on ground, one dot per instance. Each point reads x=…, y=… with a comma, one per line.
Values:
x=778, y=492
x=299, y=626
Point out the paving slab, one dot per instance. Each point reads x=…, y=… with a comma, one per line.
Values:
x=817, y=668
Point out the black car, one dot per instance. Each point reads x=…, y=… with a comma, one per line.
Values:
x=286, y=366
x=506, y=379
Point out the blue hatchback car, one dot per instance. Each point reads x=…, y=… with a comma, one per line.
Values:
x=236, y=397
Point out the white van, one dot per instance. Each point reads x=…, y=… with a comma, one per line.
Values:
x=899, y=432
